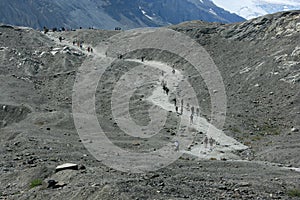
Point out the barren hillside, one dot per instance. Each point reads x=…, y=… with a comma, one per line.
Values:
x=259, y=62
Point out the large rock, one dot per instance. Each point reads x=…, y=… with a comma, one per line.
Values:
x=294, y=130
x=66, y=166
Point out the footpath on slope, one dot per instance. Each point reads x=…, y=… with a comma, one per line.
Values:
x=226, y=146
x=64, y=42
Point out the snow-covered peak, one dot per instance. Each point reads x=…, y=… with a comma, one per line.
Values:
x=253, y=8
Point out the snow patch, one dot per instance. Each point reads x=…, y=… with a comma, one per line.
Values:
x=54, y=52
x=43, y=53
x=292, y=79
x=254, y=8
x=296, y=52
x=145, y=13
x=213, y=12
x=245, y=70
x=3, y=48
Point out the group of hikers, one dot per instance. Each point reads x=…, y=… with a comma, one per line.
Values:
x=61, y=29
x=80, y=45
x=206, y=141
x=209, y=141
x=188, y=108
x=194, y=112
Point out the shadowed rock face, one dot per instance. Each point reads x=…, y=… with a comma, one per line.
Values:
x=12, y=114
x=110, y=14
x=259, y=64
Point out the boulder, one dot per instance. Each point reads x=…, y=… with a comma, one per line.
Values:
x=243, y=184
x=49, y=184
x=53, y=184
x=294, y=130
x=66, y=166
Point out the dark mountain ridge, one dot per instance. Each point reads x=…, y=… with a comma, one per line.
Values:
x=107, y=14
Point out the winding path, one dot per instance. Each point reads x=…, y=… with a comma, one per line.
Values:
x=226, y=147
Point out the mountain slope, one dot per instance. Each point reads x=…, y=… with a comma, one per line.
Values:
x=109, y=14
x=259, y=63
x=254, y=8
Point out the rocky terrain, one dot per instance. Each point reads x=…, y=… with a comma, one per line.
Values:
x=259, y=64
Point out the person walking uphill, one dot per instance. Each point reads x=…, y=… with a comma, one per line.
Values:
x=191, y=119
x=167, y=90
x=173, y=69
x=197, y=112
x=176, y=143
x=193, y=110
x=211, y=142
x=205, y=141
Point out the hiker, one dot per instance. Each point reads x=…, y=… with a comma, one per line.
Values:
x=176, y=109
x=197, y=112
x=193, y=110
x=92, y=50
x=175, y=101
x=188, y=106
x=164, y=87
x=143, y=58
x=211, y=142
x=46, y=30
x=191, y=119
x=205, y=142
x=89, y=49
x=167, y=90
x=176, y=143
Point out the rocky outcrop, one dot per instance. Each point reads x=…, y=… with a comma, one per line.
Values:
x=12, y=114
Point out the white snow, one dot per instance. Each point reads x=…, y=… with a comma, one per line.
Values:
x=3, y=48
x=145, y=13
x=254, y=8
x=212, y=12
